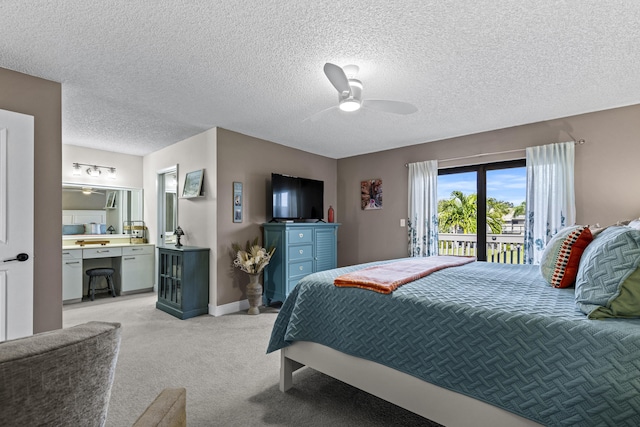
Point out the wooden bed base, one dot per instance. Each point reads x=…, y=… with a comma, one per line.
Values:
x=430, y=401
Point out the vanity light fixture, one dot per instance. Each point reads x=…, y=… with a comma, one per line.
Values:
x=94, y=170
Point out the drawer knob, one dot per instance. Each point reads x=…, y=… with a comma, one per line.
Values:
x=301, y=235
x=301, y=251
x=301, y=268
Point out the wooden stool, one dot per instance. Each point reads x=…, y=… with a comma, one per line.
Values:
x=94, y=274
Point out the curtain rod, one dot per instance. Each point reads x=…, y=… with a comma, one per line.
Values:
x=406, y=165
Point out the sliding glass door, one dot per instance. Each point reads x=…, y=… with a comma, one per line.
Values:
x=481, y=211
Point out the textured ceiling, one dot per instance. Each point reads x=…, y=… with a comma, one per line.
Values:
x=140, y=75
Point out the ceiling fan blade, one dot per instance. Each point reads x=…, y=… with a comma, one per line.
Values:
x=319, y=115
x=337, y=77
x=395, y=107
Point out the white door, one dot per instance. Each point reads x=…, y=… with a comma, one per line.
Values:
x=16, y=225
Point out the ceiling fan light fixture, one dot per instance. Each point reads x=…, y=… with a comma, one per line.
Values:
x=350, y=104
x=350, y=92
x=355, y=83
x=352, y=101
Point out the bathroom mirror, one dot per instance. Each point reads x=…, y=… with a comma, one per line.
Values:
x=106, y=209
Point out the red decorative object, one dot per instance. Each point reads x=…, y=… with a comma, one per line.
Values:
x=330, y=214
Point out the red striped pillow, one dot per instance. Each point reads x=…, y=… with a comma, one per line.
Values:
x=561, y=257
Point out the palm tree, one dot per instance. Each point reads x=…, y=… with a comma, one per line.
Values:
x=496, y=210
x=520, y=210
x=459, y=213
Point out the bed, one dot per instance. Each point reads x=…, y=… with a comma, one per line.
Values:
x=477, y=344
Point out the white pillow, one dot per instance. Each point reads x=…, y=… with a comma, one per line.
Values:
x=92, y=228
x=634, y=224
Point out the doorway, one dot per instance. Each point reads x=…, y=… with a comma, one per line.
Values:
x=481, y=211
x=167, y=205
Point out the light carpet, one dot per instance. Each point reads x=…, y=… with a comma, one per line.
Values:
x=221, y=361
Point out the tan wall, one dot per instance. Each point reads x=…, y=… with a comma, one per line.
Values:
x=251, y=161
x=197, y=217
x=606, y=176
x=42, y=99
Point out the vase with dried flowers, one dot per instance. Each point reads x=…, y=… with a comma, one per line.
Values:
x=252, y=260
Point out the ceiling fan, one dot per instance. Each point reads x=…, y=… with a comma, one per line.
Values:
x=84, y=190
x=350, y=92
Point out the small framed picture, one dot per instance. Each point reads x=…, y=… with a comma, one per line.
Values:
x=193, y=184
x=111, y=199
x=371, y=194
x=237, y=202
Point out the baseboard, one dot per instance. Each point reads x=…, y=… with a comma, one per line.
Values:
x=232, y=307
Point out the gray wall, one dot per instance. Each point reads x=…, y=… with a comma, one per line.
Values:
x=606, y=176
x=251, y=161
x=42, y=99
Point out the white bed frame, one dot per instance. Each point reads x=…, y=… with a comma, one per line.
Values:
x=430, y=401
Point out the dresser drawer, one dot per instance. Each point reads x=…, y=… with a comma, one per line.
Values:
x=300, y=235
x=137, y=250
x=71, y=254
x=299, y=269
x=101, y=252
x=300, y=252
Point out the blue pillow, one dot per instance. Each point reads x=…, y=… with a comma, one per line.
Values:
x=611, y=258
x=69, y=229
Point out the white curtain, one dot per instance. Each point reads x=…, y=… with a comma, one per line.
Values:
x=550, y=196
x=423, y=208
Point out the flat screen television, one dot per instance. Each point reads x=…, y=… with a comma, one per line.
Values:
x=296, y=198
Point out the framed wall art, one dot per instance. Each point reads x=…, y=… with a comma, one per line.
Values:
x=193, y=184
x=371, y=194
x=237, y=202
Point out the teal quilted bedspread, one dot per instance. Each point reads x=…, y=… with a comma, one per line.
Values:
x=495, y=332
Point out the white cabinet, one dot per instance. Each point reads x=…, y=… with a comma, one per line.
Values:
x=72, y=275
x=136, y=269
x=134, y=265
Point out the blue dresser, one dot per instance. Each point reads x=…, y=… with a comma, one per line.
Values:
x=301, y=248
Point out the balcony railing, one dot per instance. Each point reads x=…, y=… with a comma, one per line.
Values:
x=501, y=248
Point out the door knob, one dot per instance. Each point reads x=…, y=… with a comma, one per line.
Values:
x=20, y=257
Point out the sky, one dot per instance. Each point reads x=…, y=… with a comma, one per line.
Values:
x=507, y=185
